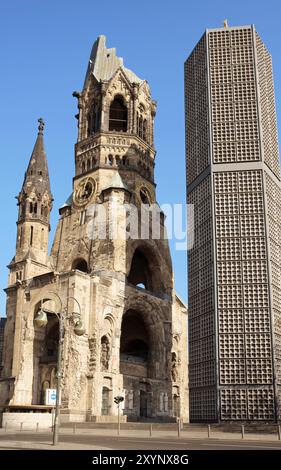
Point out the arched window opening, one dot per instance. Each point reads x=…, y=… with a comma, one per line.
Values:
x=140, y=273
x=45, y=352
x=144, y=136
x=35, y=208
x=134, y=342
x=80, y=264
x=88, y=165
x=93, y=120
x=141, y=127
x=83, y=167
x=142, y=123
x=137, y=352
x=110, y=160
x=144, y=196
x=118, y=115
x=31, y=207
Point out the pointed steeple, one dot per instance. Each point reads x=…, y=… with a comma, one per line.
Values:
x=37, y=174
x=35, y=204
x=35, y=198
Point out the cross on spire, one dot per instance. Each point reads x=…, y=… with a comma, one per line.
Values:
x=41, y=126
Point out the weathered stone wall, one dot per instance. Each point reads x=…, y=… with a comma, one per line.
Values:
x=90, y=274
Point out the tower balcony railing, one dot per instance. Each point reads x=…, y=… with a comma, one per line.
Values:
x=121, y=138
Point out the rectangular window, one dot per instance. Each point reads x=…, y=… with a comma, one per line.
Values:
x=82, y=217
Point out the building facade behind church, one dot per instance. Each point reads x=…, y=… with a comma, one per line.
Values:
x=135, y=342
x=233, y=179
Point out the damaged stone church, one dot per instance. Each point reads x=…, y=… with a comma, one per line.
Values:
x=135, y=339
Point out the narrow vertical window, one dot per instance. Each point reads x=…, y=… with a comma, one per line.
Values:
x=31, y=235
x=144, y=130
x=42, y=238
x=20, y=237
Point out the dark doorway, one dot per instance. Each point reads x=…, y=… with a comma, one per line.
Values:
x=105, y=410
x=176, y=406
x=134, y=338
x=45, y=355
x=143, y=404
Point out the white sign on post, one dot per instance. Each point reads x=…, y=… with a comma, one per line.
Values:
x=50, y=397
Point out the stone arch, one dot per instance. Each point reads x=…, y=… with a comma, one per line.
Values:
x=145, y=256
x=48, y=300
x=140, y=273
x=153, y=317
x=135, y=345
x=108, y=324
x=80, y=264
x=142, y=353
x=151, y=311
x=45, y=350
x=118, y=114
x=110, y=160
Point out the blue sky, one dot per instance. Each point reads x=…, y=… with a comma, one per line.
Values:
x=44, y=51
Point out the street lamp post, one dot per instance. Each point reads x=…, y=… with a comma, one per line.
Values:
x=62, y=316
x=118, y=400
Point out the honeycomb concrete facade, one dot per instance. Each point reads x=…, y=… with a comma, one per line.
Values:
x=233, y=181
x=135, y=342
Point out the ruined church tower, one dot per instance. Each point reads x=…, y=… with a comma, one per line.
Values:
x=135, y=343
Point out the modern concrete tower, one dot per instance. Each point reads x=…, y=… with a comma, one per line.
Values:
x=233, y=181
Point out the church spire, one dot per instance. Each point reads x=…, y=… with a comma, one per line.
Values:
x=37, y=174
x=35, y=204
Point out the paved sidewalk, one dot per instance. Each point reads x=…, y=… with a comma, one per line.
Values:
x=107, y=439
x=31, y=445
